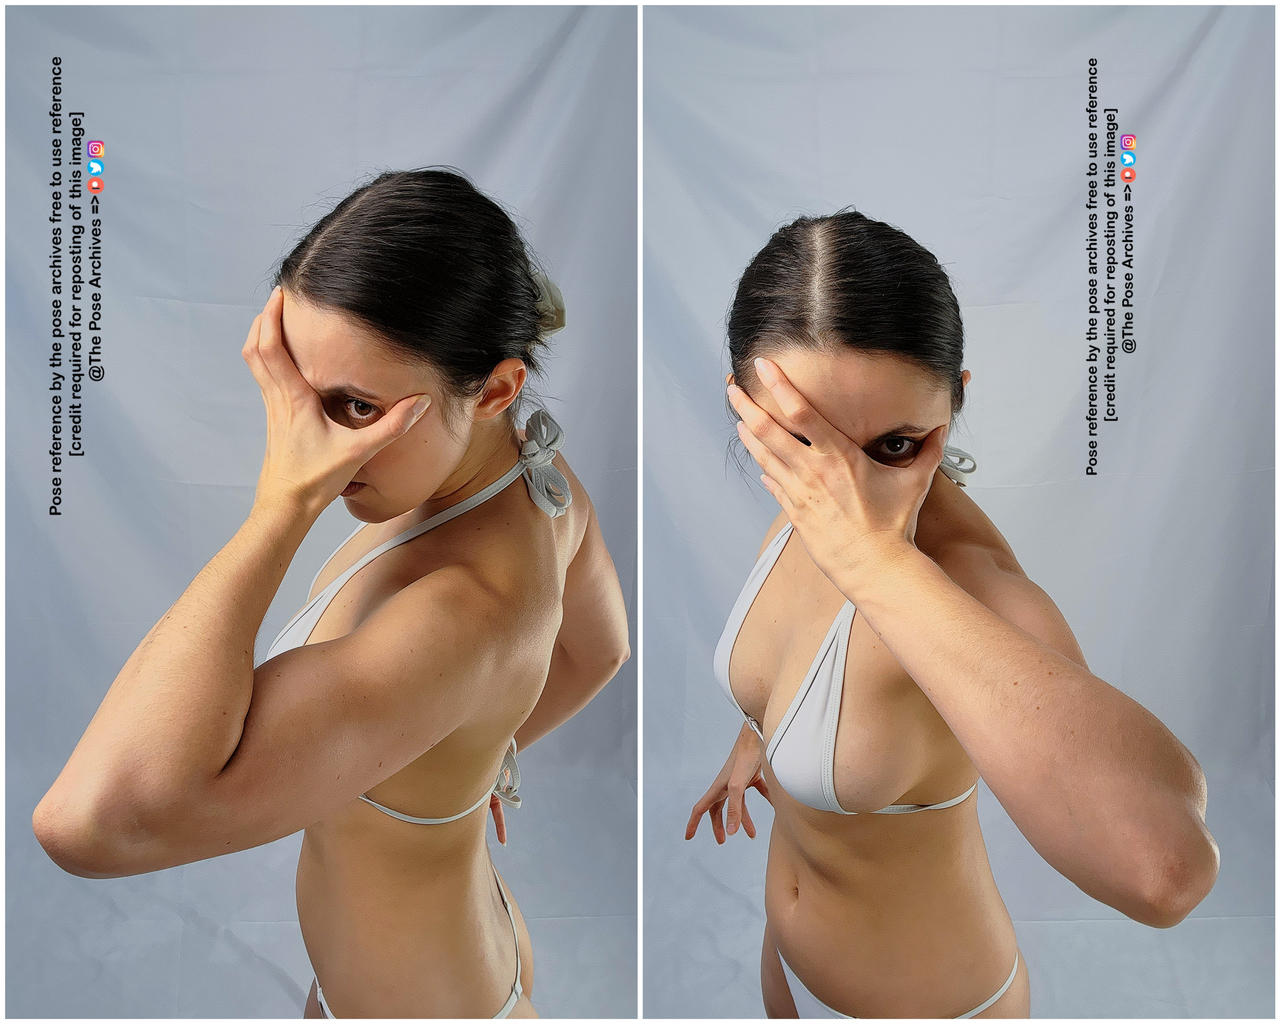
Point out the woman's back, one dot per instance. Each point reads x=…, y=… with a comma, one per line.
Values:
x=404, y=914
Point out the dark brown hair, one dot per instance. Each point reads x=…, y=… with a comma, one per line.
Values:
x=437, y=270
x=848, y=280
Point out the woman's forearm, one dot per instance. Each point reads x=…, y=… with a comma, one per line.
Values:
x=570, y=685
x=174, y=714
x=1099, y=786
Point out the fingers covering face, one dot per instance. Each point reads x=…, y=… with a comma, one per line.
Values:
x=271, y=350
x=249, y=353
x=772, y=446
x=796, y=409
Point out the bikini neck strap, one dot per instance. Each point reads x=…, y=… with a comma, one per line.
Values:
x=547, y=485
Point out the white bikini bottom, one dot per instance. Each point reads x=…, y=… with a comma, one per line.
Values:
x=809, y=1005
x=516, y=989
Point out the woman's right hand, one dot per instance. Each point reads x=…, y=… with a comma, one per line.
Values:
x=740, y=772
x=499, y=819
x=310, y=457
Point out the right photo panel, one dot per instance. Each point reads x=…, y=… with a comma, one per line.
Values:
x=958, y=498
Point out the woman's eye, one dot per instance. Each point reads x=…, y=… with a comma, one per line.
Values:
x=898, y=447
x=361, y=412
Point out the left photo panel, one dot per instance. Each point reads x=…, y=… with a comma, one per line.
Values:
x=321, y=477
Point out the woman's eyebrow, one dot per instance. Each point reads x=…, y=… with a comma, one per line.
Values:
x=342, y=390
x=906, y=428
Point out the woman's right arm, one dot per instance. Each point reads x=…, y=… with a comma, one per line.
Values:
x=745, y=766
x=593, y=640
x=743, y=770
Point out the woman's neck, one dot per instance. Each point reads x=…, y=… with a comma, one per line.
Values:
x=493, y=450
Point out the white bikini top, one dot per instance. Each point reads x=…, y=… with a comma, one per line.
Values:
x=802, y=750
x=550, y=492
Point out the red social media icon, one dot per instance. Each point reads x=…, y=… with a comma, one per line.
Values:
x=95, y=147
x=1128, y=142
x=1127, y=174
x=94, y=185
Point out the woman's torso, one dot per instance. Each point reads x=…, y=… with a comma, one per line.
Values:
x=882, y=914
x=401, y=918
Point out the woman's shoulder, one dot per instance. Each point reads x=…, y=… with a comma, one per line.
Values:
x=989, y=573
x=580, y=505
x=975, y=564
x=974, y=553
x=530, y=535
x=580, y=511
x=955, y=532
x=779, y=521
x=976, y=556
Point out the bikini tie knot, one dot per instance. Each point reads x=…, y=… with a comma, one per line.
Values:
x=957, y=461
x=508, y=777
x=547, y=485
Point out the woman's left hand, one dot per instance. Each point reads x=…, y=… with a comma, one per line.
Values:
x=849, y=510
x=310, y=459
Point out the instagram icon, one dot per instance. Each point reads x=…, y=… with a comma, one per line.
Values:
x=95, y=147
x=1128, y=142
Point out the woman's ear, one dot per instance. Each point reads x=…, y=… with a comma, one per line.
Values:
x=501, y=389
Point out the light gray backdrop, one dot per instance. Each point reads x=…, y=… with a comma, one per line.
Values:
x=966, y=128
x=229, y=131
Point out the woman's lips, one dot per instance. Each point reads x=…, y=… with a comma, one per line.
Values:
x=351, y=488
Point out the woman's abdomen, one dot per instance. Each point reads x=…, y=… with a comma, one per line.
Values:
x=912, y=926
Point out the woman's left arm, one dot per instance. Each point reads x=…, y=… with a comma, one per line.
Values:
x=1097, y=784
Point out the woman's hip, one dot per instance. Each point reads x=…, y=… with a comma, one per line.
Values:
x=450, y=956
x=891, y=957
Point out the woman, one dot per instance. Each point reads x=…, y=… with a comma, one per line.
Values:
x=898, y=652
x=463, y=620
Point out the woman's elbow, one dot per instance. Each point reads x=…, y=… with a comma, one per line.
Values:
x=1189, y=872
x=73, y=843
x=621, y=655
x=603, y=671
x=618, y=646
x=86, y=843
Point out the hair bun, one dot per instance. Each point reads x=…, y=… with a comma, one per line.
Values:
x=550, y=305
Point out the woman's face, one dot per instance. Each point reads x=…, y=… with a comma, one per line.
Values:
x=358, y=382
x=883, y=403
